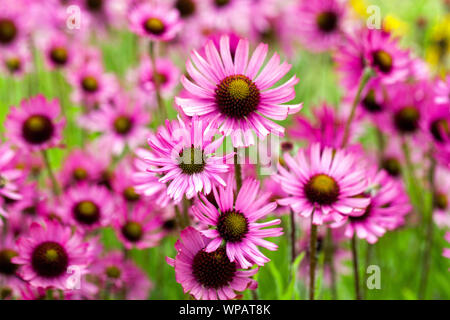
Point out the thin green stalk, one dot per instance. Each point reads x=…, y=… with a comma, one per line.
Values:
x=367, y=74
x=312, y=258
x=356, y=267
x=237, y=171
x=329, y=261
x=293, y=236
x=55, y=185
x=429, y=235
x=159, y=99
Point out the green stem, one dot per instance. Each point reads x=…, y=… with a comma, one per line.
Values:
x=367, y=74
x=55, y=185
x=356, y=267
x=159, y=99
x=293, y=236
x=237, y=171
x=312, y=258
x=329, y=261
x=429, y=234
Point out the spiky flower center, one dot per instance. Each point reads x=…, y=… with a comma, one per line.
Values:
x=5, y=293
x=37, y=129
x=213, y=270
x=159, y=78
x=49, y=259
x=132, y=231
x=370, y=102
x=186, y=8
x=322, y=189
x=191, y=160
x=382, y=60
x=327, y=21
x=94, y=5
x=154, y=26
x=113, y=272
x=8, y=31
x=440, y=201
x=6, y=266
x=129, y=193
x=123, y=125
x=79, y=174
x=440, y=129
x=237, y=96
x=392, y=166
x=86, y=212
x=89, y=84
x=407, y=119
x=232, y=226
x=59, y=55
x=13, y=64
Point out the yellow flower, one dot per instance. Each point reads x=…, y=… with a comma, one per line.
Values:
x=438, y=44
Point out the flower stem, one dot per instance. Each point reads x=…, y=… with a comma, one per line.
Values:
x=161, y=106
x=312, y=258
x=237, y=171
x=55, y=185
x=356, y=267
x=429, y=234
x=367, y=74
x=329, y=261
x=293, y=236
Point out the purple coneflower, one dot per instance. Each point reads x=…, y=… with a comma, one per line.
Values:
x=208, y=275
x=238, y=93
x=323, y=183
x=235, y=222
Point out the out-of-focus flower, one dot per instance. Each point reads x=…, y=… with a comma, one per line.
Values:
x=34, y=125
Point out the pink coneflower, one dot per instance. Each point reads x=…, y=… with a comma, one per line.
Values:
x=237, y=93
x=327, y=129
x=10, y=283
x=120, y=278
x=34, y=125
x=48, y=253
x=235, y=222
x=123, y=182
x=58, y=51
x=167, y=76
x=158, y=23
x=208, y=275
x=13, y=23
x=9, y=178
x=92, y=86
x=406, y=108
x=80, y=167
x=442, y=91
x=16, y=61
x=323, y=183
x=388, y=206
x=184, y=155
x=224, y=15
x=88, y=207
x=321, y=26
x=146, y=182
x=137, y=227
x=435, y=123
x=446, y=252
x=122, y=125
x=441, y=198
x=376, y=49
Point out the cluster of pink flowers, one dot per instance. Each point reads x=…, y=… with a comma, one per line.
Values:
x=144, y=176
